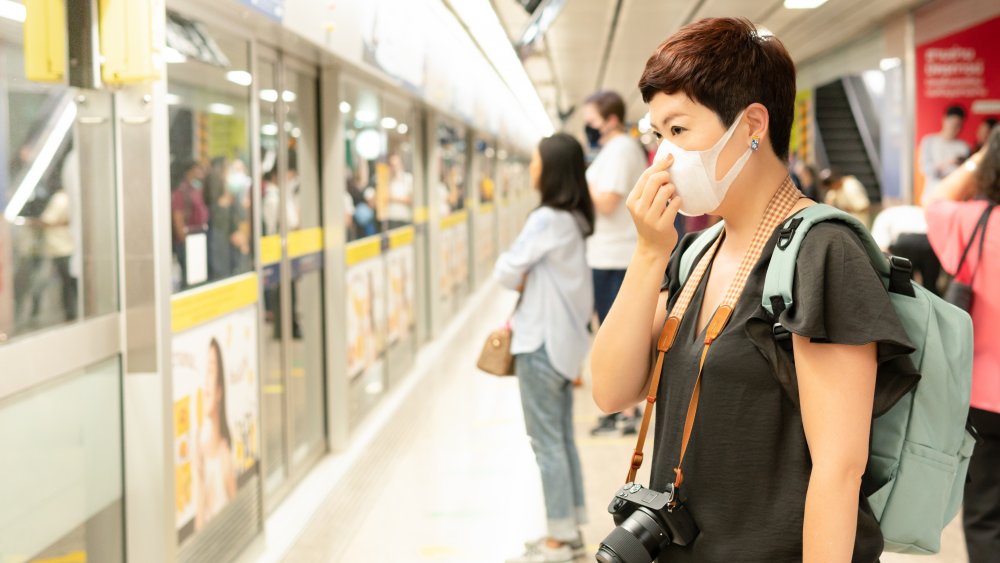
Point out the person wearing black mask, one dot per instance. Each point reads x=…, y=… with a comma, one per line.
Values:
x=610, y=177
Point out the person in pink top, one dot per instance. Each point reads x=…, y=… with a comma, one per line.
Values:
x=953, y=209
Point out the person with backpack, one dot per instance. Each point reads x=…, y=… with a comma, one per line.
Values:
x=961, y=201
x=548, y=264
x=764, y=413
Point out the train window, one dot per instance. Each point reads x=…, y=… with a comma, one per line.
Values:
x=398, y=125
x=367, y=169
x=210, y=177
x=57, y=194
x=451, y=168
x=486, y=165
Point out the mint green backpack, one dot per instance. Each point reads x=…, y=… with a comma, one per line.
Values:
x=921, y=446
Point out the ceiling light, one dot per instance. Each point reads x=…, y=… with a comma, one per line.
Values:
x=13, y=11
x=389, y=123
x=171, y=55
x=288, y=96
x=221, y=109
x=240, y=77
x=296, y=132
x=365, y=116
x=368, y=144
x=803, y=4
x=345, y=107
x=402, y=129
x=486, y=29
x=173, y=99
x=269, y=95
x=889, y=63
x=269, y=129
x=541, y=20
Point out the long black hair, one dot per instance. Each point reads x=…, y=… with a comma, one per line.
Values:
x=563, y=182
x=988, y=171
x=220, y=396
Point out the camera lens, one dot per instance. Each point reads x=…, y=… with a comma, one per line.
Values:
x=605, y=555
x=639, y=539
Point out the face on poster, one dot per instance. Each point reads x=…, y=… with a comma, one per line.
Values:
x=365, y=315
x=402, y=314
x=215, y=416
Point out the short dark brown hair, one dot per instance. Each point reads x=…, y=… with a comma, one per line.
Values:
x=608, y=103
x=726, y=64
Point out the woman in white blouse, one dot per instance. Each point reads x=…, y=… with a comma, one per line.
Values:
x=548, y=264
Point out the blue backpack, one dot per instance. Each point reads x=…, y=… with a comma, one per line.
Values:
x=920, y=448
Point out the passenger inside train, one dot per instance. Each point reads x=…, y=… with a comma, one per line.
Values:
x=535, y=281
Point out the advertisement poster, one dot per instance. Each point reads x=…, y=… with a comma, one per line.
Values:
x=216, y=442
x=402, y=294
x=366, y=315
x=486, y=242
x=961, y=69
x=454, y=249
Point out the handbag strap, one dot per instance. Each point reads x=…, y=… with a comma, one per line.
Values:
x=778, y=208
x=979, y=230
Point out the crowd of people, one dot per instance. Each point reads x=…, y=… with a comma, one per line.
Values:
x=789, y=424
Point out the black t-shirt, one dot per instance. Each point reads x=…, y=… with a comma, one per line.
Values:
x=747, y=466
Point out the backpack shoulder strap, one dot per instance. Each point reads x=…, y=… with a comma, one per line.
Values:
x=780, y=277
x=697, y=248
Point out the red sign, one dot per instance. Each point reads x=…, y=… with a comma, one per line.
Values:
x=960, y=69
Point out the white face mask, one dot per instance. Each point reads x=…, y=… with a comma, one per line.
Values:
x=693, y=173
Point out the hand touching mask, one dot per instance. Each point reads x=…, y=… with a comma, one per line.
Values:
x=693, y=173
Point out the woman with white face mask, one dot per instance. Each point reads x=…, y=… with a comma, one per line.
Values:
x=778, y=449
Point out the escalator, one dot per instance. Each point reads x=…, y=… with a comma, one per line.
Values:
x=848, y=132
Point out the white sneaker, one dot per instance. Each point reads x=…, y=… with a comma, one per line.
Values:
x=542, y=553
x=576, y=545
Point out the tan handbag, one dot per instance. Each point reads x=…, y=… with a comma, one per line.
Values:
x=496, y=357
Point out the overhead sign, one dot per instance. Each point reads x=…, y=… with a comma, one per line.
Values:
x=274, y=9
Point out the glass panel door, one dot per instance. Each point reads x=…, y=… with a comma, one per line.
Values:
x=292, y=260
x=304, y=256
x=272, y=354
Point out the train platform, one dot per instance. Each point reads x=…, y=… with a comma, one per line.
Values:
x=443, y=471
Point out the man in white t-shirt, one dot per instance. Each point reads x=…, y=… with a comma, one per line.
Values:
x=942, y=152
x=611, y=177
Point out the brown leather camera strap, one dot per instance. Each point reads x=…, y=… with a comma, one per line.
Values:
x=778, y=208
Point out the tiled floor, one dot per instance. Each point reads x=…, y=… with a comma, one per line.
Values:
x=452, y=478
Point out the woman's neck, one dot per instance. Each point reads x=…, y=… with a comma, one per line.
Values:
x=748, y=199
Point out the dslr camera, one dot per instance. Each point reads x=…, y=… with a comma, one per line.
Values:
x=646, y=521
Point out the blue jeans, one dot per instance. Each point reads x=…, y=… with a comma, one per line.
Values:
x=547, y=400
x=606, y=286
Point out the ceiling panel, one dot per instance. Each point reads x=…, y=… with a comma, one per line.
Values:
x=578, y=39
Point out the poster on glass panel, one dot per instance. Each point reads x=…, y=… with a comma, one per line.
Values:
x=215, y=416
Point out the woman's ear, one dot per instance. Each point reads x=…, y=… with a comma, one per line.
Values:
x=757, y=118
